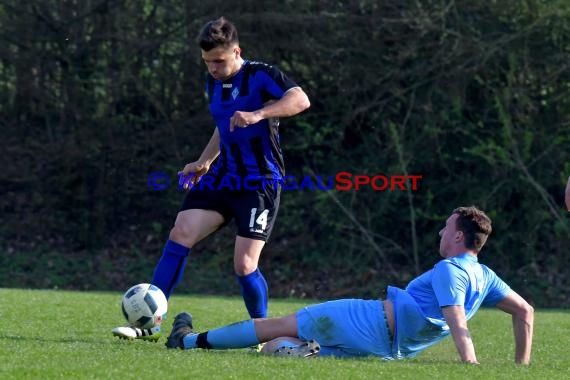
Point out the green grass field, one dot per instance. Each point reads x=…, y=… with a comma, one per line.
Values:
x=49, y=334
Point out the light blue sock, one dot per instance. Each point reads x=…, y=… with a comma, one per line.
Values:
x=237, y=335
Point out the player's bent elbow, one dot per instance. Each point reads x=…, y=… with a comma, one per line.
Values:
x=527, y=312
x=524, y=312
x=304, y=102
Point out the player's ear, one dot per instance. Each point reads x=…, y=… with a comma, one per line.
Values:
x=459, y=236
x=237, y=52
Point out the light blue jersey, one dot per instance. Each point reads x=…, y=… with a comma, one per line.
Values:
x=460, y=280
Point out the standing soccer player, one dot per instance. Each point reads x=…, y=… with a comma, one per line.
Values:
x=246, y=98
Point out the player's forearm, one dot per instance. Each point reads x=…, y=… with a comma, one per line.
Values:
x=212, y=150
x=523, y=330
x=523, y=321
x=464, y=345
x=293, y=102
x=455, y=318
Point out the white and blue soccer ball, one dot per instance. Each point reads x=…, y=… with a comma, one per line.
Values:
x=144, y=306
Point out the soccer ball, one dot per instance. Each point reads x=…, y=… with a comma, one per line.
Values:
x=144, y=306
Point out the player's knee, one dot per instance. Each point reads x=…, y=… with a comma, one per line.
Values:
x=244, y=268
x=182, y=235
x=245, y=264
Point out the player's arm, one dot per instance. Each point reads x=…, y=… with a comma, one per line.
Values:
x=523, y=323
x=202, y=165
x=457, y=322
x=567, y=195
x=294, y=101
x=212, y=150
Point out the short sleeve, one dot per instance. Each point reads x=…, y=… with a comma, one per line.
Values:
x=449, y=284
x=274, y=81
x=497, y=290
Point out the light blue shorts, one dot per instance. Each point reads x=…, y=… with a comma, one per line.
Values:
x=348, y=327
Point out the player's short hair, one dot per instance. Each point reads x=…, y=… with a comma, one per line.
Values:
x=215, y=33
x=475, y=225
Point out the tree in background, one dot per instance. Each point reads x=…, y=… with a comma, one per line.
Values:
x=472, y=95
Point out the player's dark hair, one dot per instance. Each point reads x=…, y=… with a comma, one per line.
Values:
x=215, y=33
x=475, y=225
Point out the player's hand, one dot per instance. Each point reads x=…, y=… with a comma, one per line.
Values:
x=243, y=119
x=191, y=174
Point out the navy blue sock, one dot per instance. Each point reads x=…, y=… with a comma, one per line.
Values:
x=170, y=268
x=254, y=291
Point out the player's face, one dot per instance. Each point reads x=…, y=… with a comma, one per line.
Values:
x=448, y=236
x=222, y=62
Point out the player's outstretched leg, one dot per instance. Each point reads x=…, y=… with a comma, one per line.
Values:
x=240, y=335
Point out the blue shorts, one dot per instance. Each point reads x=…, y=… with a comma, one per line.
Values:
x=348, y=327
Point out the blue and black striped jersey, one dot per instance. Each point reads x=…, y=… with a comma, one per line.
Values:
x=253, y=151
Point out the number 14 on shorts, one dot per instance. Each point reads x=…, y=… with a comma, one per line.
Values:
x=261, y=220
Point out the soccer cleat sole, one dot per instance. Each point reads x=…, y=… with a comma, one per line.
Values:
x=305, y=350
